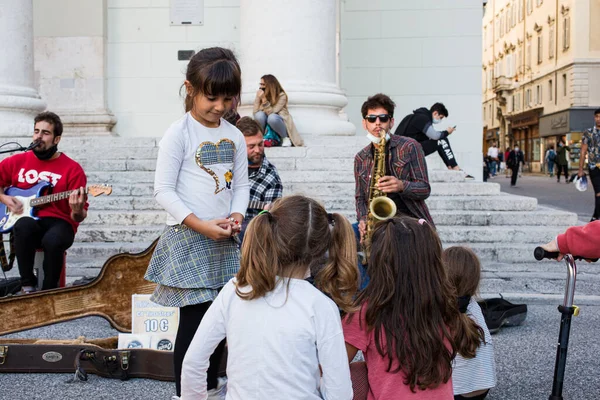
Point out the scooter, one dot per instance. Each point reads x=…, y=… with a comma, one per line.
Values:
x=567, y=310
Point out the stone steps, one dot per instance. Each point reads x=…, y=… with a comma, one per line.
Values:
x=500, y=202
x=541, y=216
x=343, y=189
x=448, y=233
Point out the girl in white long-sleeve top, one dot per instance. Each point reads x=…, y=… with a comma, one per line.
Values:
x=202, y=182
x=279, y=327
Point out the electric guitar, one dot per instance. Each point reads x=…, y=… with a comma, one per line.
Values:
x=34, y=197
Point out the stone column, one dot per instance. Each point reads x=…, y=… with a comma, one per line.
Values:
x=294, y=40
x=19, y=101
x=71, y=63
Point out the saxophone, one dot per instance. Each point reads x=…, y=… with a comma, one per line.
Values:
x=381, y=207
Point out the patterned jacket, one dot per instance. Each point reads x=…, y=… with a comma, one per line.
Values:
x=265, y=186
x=406, y=159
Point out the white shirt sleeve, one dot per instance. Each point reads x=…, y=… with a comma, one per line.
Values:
x=171, y=153
x=335, y=383
x=240, y=184
x=197, y=358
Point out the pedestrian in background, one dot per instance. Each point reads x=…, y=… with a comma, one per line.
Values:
x=562, y=161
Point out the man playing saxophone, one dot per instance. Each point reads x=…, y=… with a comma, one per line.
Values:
x=404, y=180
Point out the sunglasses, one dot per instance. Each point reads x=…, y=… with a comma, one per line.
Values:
x=382, y=117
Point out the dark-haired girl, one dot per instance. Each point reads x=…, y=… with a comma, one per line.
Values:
x=407, y=315
x=474, y=369
x=202, y=182
x=279, y=327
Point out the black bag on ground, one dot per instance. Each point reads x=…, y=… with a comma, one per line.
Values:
x=499, y=312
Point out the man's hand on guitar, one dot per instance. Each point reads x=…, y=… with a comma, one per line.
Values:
x=77, y=200
x=13, y=204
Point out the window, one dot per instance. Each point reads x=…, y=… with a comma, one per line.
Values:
x=550, y=90
x=529, y=52
x=529, y=6
x=527, y=97
x=539, y=2
x=551, y=42
x=539, y=46
x=502, y=25
x=538, y=94
x=564, y=79
x=485, y=41
x=520, y=10
x=514, y=13
x=566, y=33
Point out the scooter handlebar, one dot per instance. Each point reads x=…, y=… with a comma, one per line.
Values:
x=539, y=254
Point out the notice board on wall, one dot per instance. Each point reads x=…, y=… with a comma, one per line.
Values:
x=186, y=12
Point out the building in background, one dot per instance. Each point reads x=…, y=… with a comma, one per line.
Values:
x=116, y=66
x=541, y=73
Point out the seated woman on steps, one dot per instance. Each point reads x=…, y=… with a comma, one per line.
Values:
x=270, y=108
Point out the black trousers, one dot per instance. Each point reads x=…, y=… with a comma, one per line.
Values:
x=54, y=236
x=560, y=169
x=443, y=148
x=594, y=175
x=479, y=397
x=515, y=174
x=189, y=321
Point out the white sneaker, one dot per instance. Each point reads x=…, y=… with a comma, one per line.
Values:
x=175, y=398
x=286, y=142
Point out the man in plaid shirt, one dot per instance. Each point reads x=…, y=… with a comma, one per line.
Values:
x=265, y=184
x=406, y=181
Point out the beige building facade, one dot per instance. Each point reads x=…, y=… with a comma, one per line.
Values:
x=541, y=74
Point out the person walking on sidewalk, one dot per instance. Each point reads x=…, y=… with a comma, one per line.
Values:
x=562, y=161
x=493, y=157
x=550, y=159
x=590, y=145
x=515, y=158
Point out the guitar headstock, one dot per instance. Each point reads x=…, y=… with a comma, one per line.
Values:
x=97, y=190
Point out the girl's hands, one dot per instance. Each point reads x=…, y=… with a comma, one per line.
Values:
x=216, y=229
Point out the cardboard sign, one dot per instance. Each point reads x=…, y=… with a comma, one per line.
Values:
x=150, y=318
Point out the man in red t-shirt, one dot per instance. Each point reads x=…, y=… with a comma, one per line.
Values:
x=55, y=229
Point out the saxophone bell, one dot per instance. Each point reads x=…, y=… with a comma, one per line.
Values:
x=383, y=208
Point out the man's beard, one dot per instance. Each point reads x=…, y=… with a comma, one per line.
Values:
x=256, y=159
x=45, y=154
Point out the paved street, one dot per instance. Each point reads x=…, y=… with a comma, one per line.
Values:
x=524, y=356
x=550, y=193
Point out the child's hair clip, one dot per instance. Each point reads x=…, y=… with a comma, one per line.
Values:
x=264, y=212
x=422, y=221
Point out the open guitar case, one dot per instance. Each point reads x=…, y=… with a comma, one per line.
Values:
x=108, y=296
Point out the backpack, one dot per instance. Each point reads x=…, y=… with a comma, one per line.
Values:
x=551, y=155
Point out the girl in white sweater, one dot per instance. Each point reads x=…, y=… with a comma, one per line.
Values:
x=279, y=327
x=202, y=182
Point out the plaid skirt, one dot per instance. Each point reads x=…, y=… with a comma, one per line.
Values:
x=190, y=268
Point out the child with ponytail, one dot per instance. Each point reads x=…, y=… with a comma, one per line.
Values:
x=474, y=369
x=280, y=329
x=407, y=315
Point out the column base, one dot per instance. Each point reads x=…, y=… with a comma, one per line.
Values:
x=81, y=123
x=18, y=107
x=316, y=108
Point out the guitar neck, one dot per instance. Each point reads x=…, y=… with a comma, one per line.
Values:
x=257, y=205
x=53, y=197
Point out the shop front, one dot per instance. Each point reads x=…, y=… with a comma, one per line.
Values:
x=526, y=133
x=568, y=125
